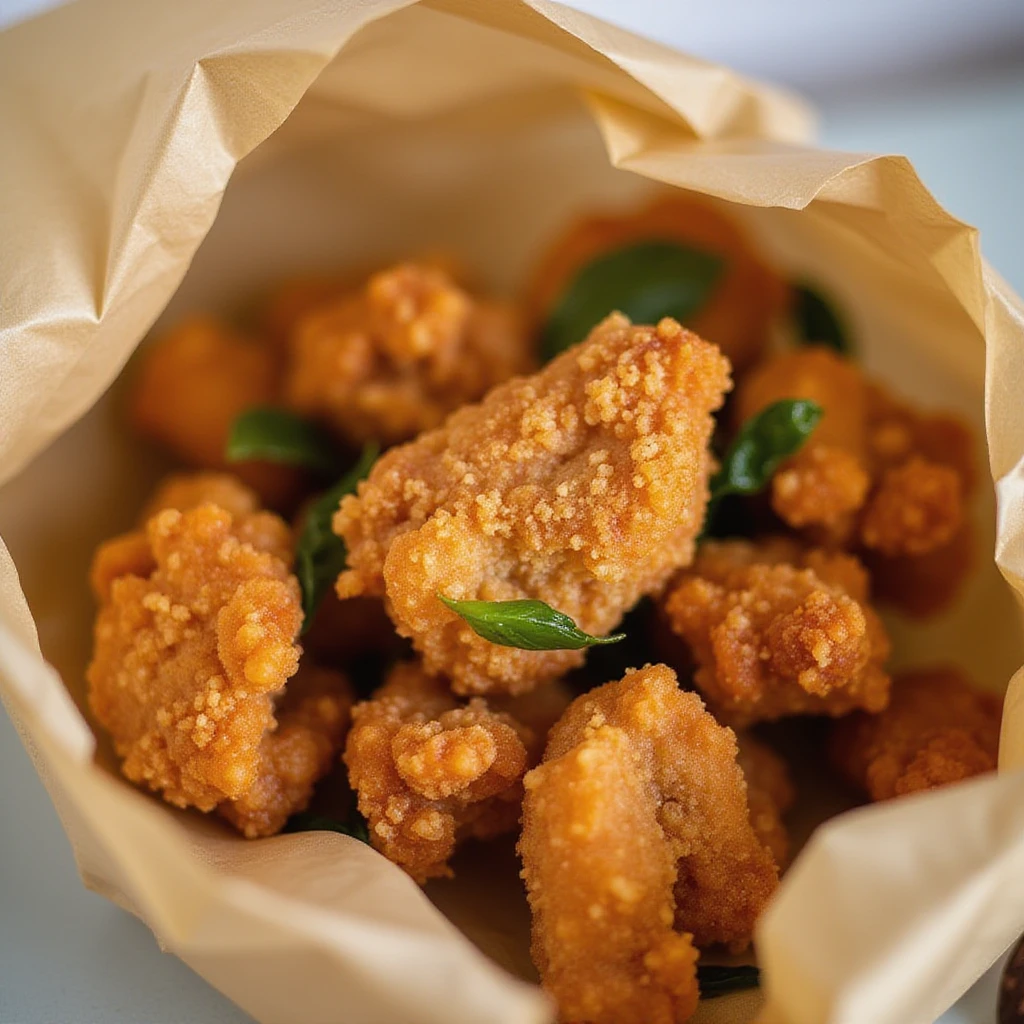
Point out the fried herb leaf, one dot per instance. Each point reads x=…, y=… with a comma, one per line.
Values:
x=720, y=981
x=764, y=442
x=320, y=553
x=528, y=625
x=646, y=281
x=276, y=435
x=817, y=321
x=306, y=821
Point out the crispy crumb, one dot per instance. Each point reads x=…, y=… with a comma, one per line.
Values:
x=534, y=493
x=938, y=729
x=778, y=631
x=394, y=359
x=430, y=770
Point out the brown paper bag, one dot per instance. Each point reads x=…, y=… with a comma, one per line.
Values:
x=384, y=128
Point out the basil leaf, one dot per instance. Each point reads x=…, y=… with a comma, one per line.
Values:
x=276, y=435
x=646, y=281
x=320, y=553
x=763, y=443
x=817, y=321
x=528, y=625
x=720, y=981
x=306, y=821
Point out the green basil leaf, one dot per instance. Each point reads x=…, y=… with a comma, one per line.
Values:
x=817, y=321
x=646, y=281
x=320, y=553
x=276, y=435
x=720, y=981
x=306, y=821
x=763, y=443
x=528, y=625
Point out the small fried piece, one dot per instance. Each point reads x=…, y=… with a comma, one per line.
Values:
x=583, y=486
x=191, y=644
x=770, y=794
x=312, y=716
x=189, y=490
x=876, y=473
x=779, y=631
x=600, y=874
x=397, y=357
x=739, y=311
x=430, y=770
x=189, y=388
x=938, y=729
x=687, y=761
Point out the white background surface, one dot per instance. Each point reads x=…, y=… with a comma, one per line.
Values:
x=939, y=80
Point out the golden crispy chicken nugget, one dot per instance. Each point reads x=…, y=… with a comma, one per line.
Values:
x=777, y=631
x=189, y=655
x=686, y=762
x=739, y=311
x=189, y=490
x=583, y=486
x=938, y=729
x=312, y=716
x=430, y=770
x=190, y=387
x=770, y=794
x=876, y=473
x=396, y=358
x=600, y=873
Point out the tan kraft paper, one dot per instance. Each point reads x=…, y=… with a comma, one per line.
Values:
x=477, y=127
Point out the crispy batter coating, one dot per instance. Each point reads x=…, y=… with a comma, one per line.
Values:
x=397, y=357
x=724, y=874
x=430, y=770
x=737, y=315
x=189, y=490
x=770, y=794
x=190, y=386
x=190, y=649
x=312, y=716
x=938, y=729
x=876, y=473
x=600, y=873
x=777, y=631
x=583, y=486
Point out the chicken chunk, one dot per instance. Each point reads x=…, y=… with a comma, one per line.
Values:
x=583, y=486
x=191, y=645
x=430, y=770
x=778, y=631
x=743, y=303
x=876, y=474
x=397, y=357
x=664, y=744
x=190, y=387
x=185, y=491
x=938, y=729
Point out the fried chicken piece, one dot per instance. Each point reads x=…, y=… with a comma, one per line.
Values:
x=583, y=486
x=938, y=729
x=189, y=490
x=635, y=768
x=770, y=794
x=395, y=358
x=312, y=716
x=778, y=631
x=600, y=874
x=190, y=646
x=193, y=383
x=875, y=473
x=430, y=770
x=739, y=311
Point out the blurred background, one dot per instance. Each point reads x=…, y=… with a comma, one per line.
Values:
x=941, y=81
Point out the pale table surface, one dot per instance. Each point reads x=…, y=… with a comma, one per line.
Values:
x=69, y=957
